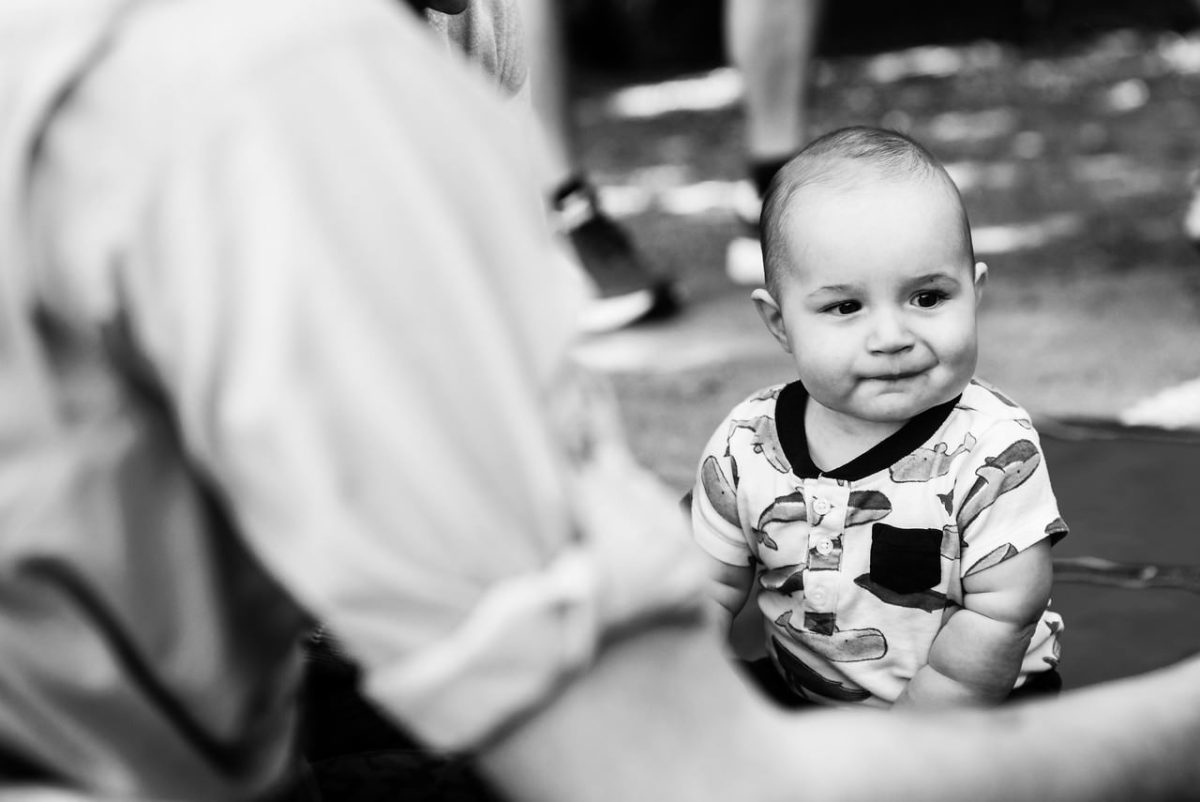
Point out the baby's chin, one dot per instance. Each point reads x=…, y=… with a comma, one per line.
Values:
x=897, y=408
x=888, y=413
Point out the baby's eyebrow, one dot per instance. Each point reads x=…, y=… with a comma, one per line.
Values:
x=936, y=278
x=835, y=289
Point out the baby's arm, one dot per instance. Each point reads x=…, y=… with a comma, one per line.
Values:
x=717, y=530
x=728, y=584
x=977, y=655
x=729, y=587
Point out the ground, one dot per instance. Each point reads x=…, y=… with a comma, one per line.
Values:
x=1074, y=161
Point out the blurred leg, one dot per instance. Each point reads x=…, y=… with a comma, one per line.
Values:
x=628, y=289
x=1191, y=215
x=772, y=43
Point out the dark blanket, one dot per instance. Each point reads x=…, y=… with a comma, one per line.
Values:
x=1127, y=579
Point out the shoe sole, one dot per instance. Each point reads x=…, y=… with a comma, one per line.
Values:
x=610, y=314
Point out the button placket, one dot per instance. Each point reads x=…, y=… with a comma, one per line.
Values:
x=824, y=547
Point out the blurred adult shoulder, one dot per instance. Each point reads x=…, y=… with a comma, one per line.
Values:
x=174, y=53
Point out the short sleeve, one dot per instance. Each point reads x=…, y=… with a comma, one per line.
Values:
x=716, y=524
x=1003, y=500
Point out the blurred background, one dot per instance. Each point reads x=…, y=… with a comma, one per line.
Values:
x=1071, y=127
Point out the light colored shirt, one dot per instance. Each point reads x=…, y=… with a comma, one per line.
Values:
x=491, y=35
x=855, y=566
x=282, y=340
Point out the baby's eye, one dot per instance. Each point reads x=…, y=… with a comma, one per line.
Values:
x=843, y=308
x=928, y=299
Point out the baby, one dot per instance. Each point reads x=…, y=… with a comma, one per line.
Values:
x=895, y=511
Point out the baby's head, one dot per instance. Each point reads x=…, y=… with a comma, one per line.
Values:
x=872, y=283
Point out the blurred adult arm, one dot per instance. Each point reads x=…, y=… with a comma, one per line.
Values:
x=662, y=717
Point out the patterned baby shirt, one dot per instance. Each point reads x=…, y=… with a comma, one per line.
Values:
x=856, y=567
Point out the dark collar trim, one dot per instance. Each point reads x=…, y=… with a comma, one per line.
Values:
x=789, y=423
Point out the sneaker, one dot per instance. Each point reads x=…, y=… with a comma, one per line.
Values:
x=743, y=256
x=627, y=291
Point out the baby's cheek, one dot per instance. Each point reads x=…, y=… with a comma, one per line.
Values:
x=959, y=348
x=967, y=357
x=826, y=380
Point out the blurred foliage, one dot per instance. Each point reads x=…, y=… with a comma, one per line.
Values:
x=638, y=34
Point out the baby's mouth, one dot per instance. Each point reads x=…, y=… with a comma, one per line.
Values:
x=897, y=376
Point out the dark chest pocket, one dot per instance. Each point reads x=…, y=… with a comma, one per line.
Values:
x=905, y=560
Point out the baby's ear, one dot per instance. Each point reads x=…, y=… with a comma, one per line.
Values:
x=768, y=310
x=980, y=275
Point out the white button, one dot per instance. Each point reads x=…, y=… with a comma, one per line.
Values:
x=817, y=596
x=821, y=506
x=824, y=547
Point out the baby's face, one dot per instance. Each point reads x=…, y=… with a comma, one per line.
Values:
x=879, y=299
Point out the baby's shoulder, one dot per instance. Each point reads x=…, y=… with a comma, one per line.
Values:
x=753, y=416
x=761, y=401
x=983, y=406
x=996, y=432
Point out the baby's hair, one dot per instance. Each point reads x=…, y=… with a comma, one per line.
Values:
x=840, y=160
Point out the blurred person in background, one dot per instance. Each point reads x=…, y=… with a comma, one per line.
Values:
x=283, y=340
x=773, y=44
x=630, y=288
x=1191, y=215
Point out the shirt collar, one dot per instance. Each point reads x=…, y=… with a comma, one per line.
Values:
x=789, y=424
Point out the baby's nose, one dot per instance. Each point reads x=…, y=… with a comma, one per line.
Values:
x=889, y=333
